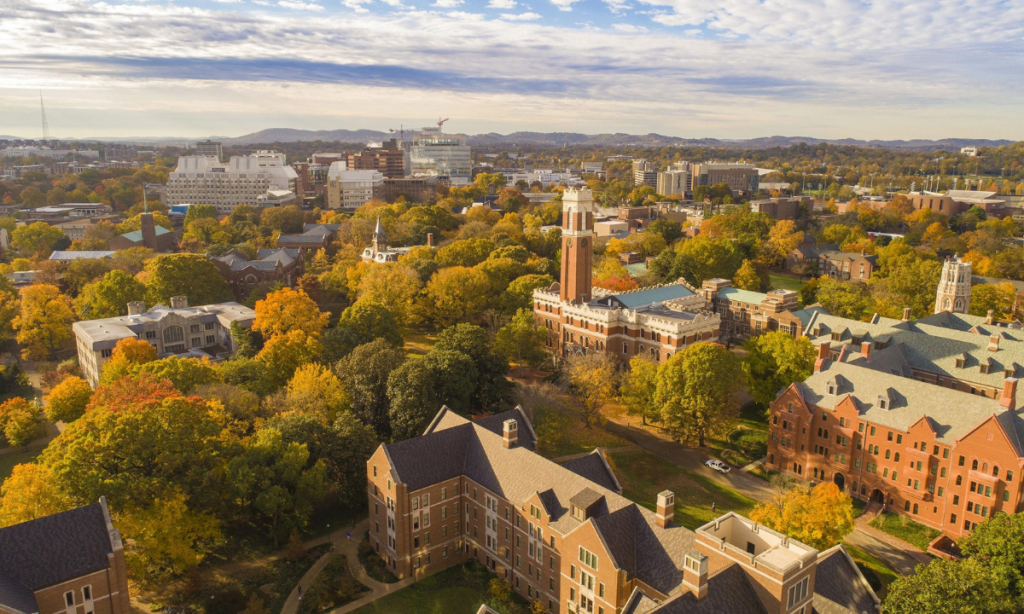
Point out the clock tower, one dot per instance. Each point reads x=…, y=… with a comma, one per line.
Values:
x=577, y=244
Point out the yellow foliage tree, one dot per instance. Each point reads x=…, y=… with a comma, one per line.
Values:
x=820, y=517
x=315, y=390
x=43, y=322
x=283, y=354
x=746, y=277
x=68, y=400
x=128, y=353
x=782, y=239
x=30, y=493
x=457, y=294
x=390, y=285
x=289, y=310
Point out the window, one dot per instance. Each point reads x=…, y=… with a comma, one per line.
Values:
x=588, y=558
x=106, y=353
x=210, y=340
x=87, y=593
x=69, y=599
x=150, y=334
x=174, y=334
x=797, y=592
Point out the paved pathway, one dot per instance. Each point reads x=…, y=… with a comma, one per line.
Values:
x=349, y=548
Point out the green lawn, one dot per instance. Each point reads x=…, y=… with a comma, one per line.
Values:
x=643, y=475
x=419, y=344
x=8, y=461
x=332, y=588
x=878, y=574
x=906, y=529
x=781, y=282
x=561, y=434
x=747, y=441
x=457, y=590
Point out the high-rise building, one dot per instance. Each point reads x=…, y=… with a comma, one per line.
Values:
x=390, y=158
x=674, y=181
x=203, y=180
x=740, y=177
x=351, y=189
x=954, y=293
x=445, y=156
x=210, y=148
x=644, y=173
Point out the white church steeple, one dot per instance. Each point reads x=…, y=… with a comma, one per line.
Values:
x=954, y=293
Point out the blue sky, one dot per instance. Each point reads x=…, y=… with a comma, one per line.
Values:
x=693, y=68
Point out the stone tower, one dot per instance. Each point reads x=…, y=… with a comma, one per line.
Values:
x=577, y=244
x=380, y=242
x=954, y=293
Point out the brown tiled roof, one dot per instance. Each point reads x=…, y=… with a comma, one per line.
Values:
x=729, y=592
x=839, y=587
x=594, y=467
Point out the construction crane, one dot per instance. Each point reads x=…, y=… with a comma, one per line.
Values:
x=441, y=121
x=46, y=125
x=401, y=132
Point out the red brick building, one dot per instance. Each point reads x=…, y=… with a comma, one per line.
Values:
x=563, y=535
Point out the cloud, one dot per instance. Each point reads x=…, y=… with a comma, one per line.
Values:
x=520, y=16
x=298, y=5
x=628, y=27
x=448, y=4
x=357, y=5
x=564, y=5
x=501, y=4
x=228, y=1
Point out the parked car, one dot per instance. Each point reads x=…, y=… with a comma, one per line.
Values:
x=718, y=466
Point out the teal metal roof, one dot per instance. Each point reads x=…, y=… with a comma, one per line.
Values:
x=632, y=300
x=805, y=315
x=136, y=235
x=742, y=296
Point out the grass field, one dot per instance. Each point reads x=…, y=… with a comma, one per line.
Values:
x=877, y=573
x=457, y=590
x=561, y=434
x=419, y=344
x=748, y=439
x=8, y=461
x=906, y=529
x=643, y=475
x=782, y=282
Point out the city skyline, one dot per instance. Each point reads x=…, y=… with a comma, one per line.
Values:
x=197, y=68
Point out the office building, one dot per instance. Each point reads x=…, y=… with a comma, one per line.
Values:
x=674, y=181
x=444, y=156
x=783, y=208
x=199, y=332
x=67, y=563
x=565, y=536
x=644, y=173
x=739, y=177
x=655, y=322
x=348, y=189
x=242, y=180
x=412, y=189
x=210, y=149
x=390, y=158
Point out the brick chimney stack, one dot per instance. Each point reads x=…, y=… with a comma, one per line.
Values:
x=1009, y=398
x=865, y=350
x=695, y=574
x=136, y=308
x=824, y=353
x=666, y=511
x=510, y=433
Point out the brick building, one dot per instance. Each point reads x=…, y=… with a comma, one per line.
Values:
x=783, y=208
x=390, y=159
x=67, y=563
x=921, y=416
x=745, y=313
x=271, y=266
x=563, y=535
x=851, y=266
x=151, y=235
x=656, y=322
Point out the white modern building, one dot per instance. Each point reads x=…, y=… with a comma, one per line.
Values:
x=180, y=330
x=348, y=189
x=542, y=176
x=210, y=148
x=445, y=156
x=46, y=152
x=241, y=181
x=675, y=180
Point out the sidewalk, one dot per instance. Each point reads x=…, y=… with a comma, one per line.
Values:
x=349, y=548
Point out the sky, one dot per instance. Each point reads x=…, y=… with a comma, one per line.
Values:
x=887, y=69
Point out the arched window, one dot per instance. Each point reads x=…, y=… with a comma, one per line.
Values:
x=175, y=334
x=915, y=509
x=945, y=303
x=974, y=465
x=995, y=471
x=959, y=304
x=959, y=480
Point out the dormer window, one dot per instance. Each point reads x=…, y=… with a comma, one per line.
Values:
x=836, y=336
x=883, y=403
x=961, y=360
x=832, y=388
x=985, y=367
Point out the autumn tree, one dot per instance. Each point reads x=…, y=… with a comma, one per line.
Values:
x=288, y=310
x=109, y=296
x=698, y=259
x=128, y=354
x=36, y=240
x=190, y=275
x=44, y=321
x=389, y=285
x=592, y=379
x=746, y=277
x=820, y=517
x=639, y=389
x=8, y=308
x=30, y=493
x=782, y=239
x=940, y=587
x=846, y=299
x=522, y=340
x=184, y=373
x=19, y=421
x=519, y=293
x=999, y=298
x=695, y=390
x=464, y=253
x=360, y=323
x=284, y=353
x=456, y=294
x=314, y=390
x=68, y=400
x=774, y=360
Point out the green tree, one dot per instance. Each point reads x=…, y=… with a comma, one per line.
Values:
x=464, y=253
x=698, y=259
x=775, y=360
x=592, y=379
x=846, y=299
x=912, y=285
x=360, y=323
x=68, y=400
x=949, y=587
x=455, y=378
x=522, y=341
x=695, y=390
x=83, y=271
x=286, y=220
x=44, y=321
x=413, y=399
x=275, y=484
x=491, y=391
x=109, y=297
x=365, y=374
x=189, y=275
x=998, y=543
x=184, y=373
x=519, y=293
x=36, y=240
x=196, y=212
x=639, y=389
x=999, y=298
x=456, y=294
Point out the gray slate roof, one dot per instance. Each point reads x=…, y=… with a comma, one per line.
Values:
x=729, y=592
x=839, y=587
x=51, y=550
x=594, y=468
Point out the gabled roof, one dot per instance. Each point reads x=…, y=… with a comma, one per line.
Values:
x=50, y=550
x=595, y=468
x=632, y=300
x=80, y=255
x=729, y=592
x=839, y=586
x=136, y=235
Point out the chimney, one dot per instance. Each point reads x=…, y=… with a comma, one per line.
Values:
x=430, y=240
x=136, y=308
x=695, y=574
x=148, y=230
x=865, y=350
x=510, y=433
x=824, y=353
x=990, y=317
x=179, y=302
x=1009, y=398
x=666, y=508
x=993, y=343
x=906, y=314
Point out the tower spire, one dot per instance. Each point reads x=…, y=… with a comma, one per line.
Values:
x=46, y=124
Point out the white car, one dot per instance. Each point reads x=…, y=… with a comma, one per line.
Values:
x=718, y=466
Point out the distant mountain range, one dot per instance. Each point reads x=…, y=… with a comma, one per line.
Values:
x=493, y=139
x=287, y=135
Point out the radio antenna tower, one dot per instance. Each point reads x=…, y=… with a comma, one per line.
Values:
x=46, y=125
